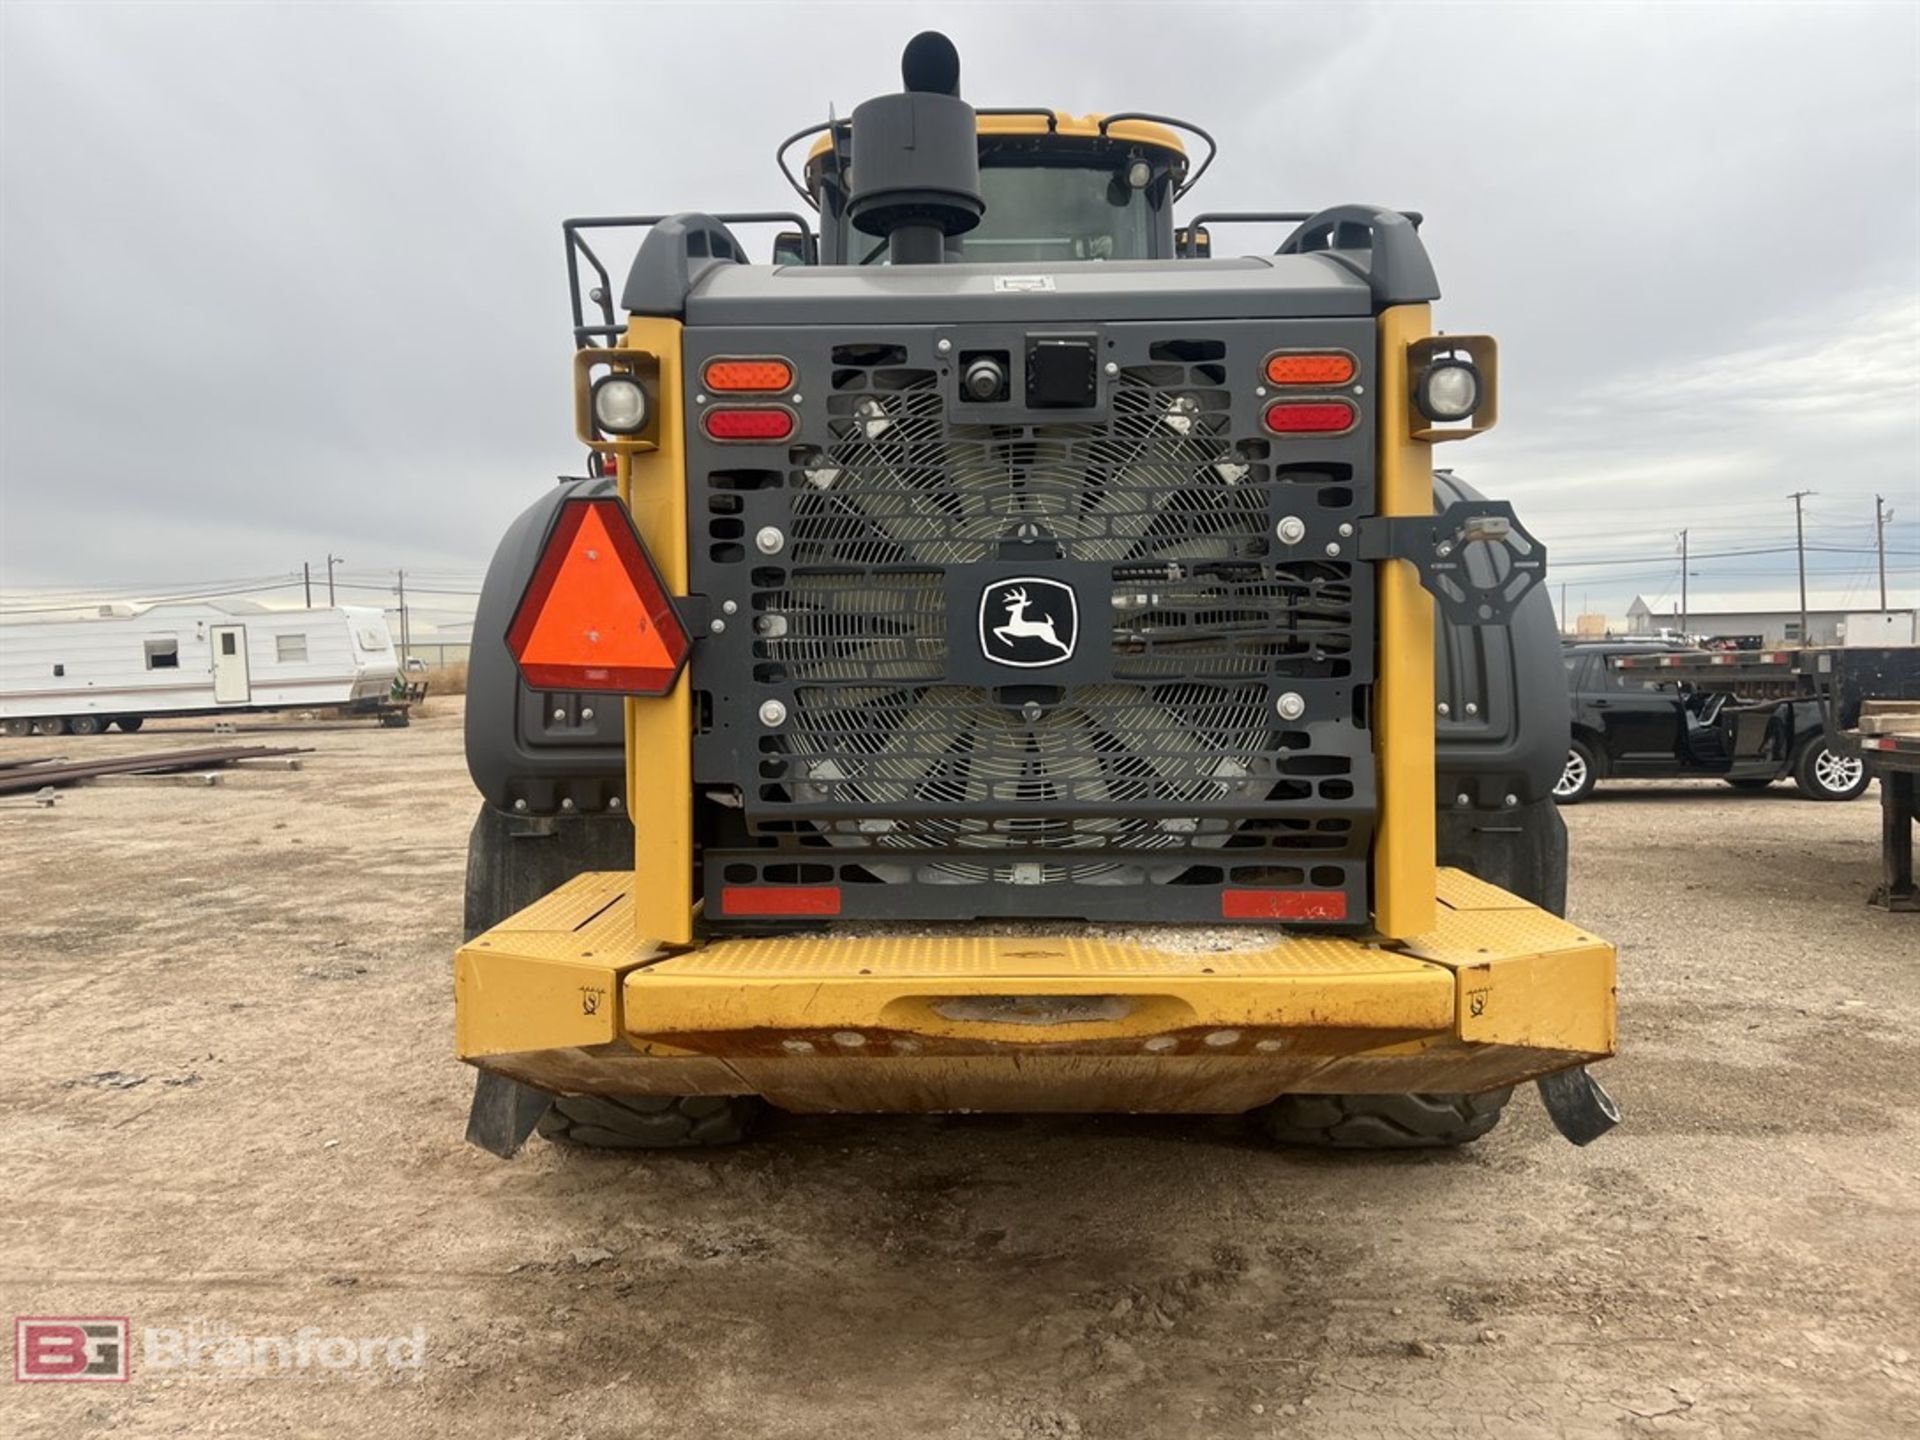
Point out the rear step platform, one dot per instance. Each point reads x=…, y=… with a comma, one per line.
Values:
x=564, y=997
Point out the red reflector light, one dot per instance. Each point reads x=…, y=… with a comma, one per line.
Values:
x=730, y=375
x=780, y=900
x=596, y=615
x=1311, y=417
x=1283, y=904
x=1330, y=369
x=759, y=423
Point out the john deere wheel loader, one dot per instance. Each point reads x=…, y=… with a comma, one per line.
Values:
x=1009, y=656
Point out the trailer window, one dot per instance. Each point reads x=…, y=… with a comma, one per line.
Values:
x=289, y=647
x=163, y=654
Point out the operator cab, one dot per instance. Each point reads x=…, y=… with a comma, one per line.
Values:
x=1057, y=188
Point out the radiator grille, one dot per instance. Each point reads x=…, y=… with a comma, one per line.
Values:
x=897, y=762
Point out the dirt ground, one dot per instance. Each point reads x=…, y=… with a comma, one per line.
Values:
x=230, y=1107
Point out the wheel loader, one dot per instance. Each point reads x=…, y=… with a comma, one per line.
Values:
x=1011, y=654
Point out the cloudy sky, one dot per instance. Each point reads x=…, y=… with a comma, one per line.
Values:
x=281, y=280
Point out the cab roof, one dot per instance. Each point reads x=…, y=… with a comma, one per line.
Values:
x=1040, y=123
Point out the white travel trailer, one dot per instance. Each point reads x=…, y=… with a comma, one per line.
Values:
x=80, y=676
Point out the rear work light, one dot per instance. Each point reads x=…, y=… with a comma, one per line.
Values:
x=1311, y=417
x=596, y=615
x=762, y=423
x=1320, y=368
x=758, y=374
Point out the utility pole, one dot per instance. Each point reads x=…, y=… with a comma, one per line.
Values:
x=1880, y=517
x=332, y=560
x=1684, y=627
x=306, y=579
x=1800, y=549
x=406, y=638
x=1565, y=628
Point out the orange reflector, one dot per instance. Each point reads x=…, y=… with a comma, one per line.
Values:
x=759, y=424
x=1311, y=417
x=748, y=374
x=1329, y=369
x=596, y=615
x=780, y=900
x=1283, y=904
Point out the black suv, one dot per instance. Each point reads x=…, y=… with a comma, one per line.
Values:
x=1632, y=724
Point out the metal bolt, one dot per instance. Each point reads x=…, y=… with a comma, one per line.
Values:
x=1359, y=389
x=699, y=399
x=1472, y=709
x=730, y=607
x=521, y=806
x=945, y=347
x=587, y=714
x=1443, y=549
x=567, y=803
x=1161, y=1042
x=1031, y=712
x=1260, y=390
x=1219, y=1039
x=559, y=715
x=1291, y=529
x=1333, y=547
x=797, y=1047
x=1510, y=801
x=770, y=541
x=1444, y=708
x=1463, y=799
x=717, y=626
x=798, y=397
x=773, y=712
x=1113, y=367
x=1292, y=705
x=1346, y=529
x=849, y=1039
x=616, y=803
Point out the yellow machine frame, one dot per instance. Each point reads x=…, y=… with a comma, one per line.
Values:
x=602, y=988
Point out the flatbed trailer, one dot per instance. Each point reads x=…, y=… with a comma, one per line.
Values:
x=1870, y=704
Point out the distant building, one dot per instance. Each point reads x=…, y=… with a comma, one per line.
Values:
x=1775, y=627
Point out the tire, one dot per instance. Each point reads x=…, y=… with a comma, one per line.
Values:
x=511, y=864
x=1821, y=772
x=1523, y=850
x=131, y=723
x=16, y=729
x=86, y=725
x=55, y=725
x=651, y=1122
x=1753, y=782
x=1577, y=779
x=1381, y=1122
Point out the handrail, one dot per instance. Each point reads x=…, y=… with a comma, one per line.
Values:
x=601, y=295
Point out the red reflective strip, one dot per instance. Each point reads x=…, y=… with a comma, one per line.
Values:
x=764, y=423
x=1283, y=904
x=1310, y=417
x=780, y=900
x=596, y=615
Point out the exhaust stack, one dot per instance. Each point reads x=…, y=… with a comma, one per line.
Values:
x=916, y=157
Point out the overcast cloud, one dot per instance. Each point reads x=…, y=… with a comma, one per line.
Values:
x=285, y=279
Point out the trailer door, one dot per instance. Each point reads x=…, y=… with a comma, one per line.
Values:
x=231, y=685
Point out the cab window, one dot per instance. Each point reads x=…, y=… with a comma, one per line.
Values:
x=1040, y=213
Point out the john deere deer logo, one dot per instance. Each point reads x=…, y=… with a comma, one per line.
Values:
x=1028, y=622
